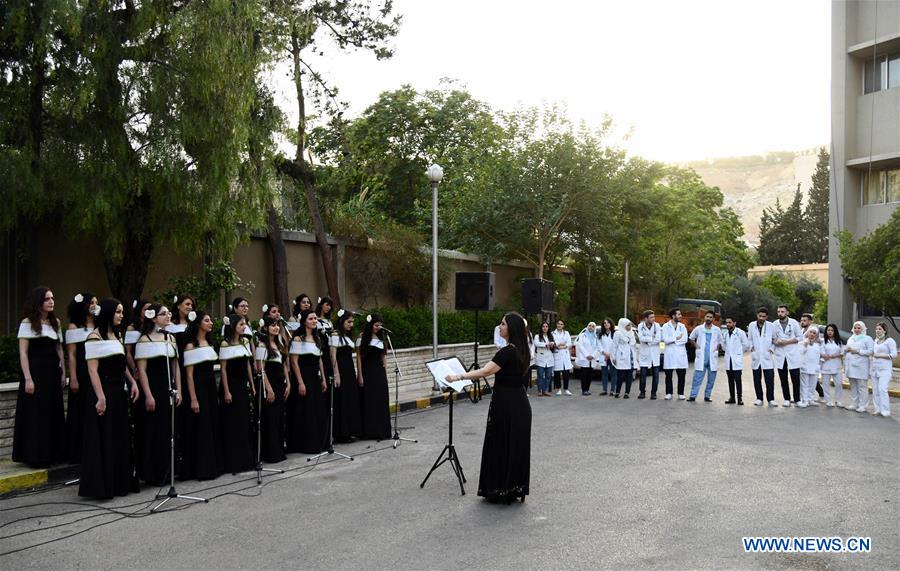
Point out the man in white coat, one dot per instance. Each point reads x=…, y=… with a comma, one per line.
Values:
x=562, y=359
x=707, y=338
x=736, y=343
x=760, y=334
x=786, y=354
x=649, y=334
x=675, y=336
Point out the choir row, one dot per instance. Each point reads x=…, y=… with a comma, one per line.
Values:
x=123, y=379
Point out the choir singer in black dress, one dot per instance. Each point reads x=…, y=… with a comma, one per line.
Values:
x=506, y=454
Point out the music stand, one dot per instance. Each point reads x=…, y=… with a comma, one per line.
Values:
x=439, y=369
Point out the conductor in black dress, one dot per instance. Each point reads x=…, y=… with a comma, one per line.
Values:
x=506, y=454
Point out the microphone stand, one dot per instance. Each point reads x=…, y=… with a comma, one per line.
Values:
x=397, y=374
x=330, y=450
x=259, y=404
x=172, y=493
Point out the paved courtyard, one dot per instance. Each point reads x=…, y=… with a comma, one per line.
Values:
x=615, y=484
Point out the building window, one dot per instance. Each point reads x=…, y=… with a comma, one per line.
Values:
x=881, y=186
x=883, y=73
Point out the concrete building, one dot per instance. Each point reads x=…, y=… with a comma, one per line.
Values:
x=865, y=134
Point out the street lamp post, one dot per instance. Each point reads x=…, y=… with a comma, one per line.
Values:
x=435, y=174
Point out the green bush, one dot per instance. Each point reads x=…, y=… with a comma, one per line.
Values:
x=9, y=359
x=412, y=327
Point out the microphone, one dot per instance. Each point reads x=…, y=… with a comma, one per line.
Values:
x=386, y=330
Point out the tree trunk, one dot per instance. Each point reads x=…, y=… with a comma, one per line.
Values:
x=127, y=276
x=279, y=260
x=322, y=240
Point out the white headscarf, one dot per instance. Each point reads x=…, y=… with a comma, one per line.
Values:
x=861, y=335
x=623, y=336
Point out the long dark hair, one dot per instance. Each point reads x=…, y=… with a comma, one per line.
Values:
x=517, y=336
x=368, y=330
x=837, y=334
x=179, y=299
x=322, y=301
x=191, y=334
x=148, y=325
x=32, y=310
x=137, y=313
x=540, y=334
x=339, y=326
x=295, y=310
x=104, y=321
x=612, y=328
x=78, y=310
x=264, y=336
x=301, y=331
x=230, y=334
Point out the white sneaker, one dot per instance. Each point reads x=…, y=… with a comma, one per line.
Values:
x=773, y=404
x=886, y=414
x=787, y=404
x=839, y=404
x=813, y=403
x=861, y=409
x=668, y=397
x=559, y=393
x=757, y=403
x=829, y=403
x=568, y=392
x=680, y=397
x=801, y=404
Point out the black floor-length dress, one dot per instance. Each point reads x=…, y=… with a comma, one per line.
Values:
x=376, y=412
x=272, y=437
x=309, y=428
x=506, y=454
x=38, y=435
x=156, y=447
x=136, y=408
x=347, y=412
x=202, y=452
x=107, y=465
x=75, y=406
x=236, y=415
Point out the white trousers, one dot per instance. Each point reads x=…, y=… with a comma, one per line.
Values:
x=859, y=393
x=880, y=380
x=832, y=394
x=808, y=386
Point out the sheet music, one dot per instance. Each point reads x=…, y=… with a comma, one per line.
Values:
x=441, y=368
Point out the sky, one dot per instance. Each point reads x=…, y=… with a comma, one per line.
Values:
x=682, y=80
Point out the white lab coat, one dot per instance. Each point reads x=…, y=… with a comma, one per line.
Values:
x=736, y=344
x=790, y=352
x=649, y=337
x=676, y=353
x=809, y=357
x=588, y=346
x=882, y=366
x=698, y=336
x=624, y=355
x=831, y=366
x=761, y=345
x=857, y=366
x=543, y=355
x=606, y=345
x=562, y=361
x=499, y=341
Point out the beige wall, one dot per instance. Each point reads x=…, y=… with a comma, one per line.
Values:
x=817, y=272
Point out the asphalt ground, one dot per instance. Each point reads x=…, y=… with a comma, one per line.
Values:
x=614, y=484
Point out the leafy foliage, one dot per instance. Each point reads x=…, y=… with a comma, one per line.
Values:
x=218, y=278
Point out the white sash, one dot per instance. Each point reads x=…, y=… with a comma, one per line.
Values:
x=103, y=349
x=262, y=354
x=131, y=337
x=176, y=328
x=340, y=341
x=375, y=342
x=79, y=335
x=153, y=349
x=199, y=355
x=305, y=348
x=228, y=352
x=26, y=332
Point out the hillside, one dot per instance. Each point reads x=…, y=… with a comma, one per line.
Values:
x=752, y=183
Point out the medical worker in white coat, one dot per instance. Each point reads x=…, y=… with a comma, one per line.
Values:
x=707, y=338
x=624, y=356
x=786, y=353
x=883, y=354
x=857, y=366
x=736, y=344
x=675, y=336
x=562, y=359
x=810, y=365
x=649, y=336
x=832, y=363
x=760, y=334
x=588, y=355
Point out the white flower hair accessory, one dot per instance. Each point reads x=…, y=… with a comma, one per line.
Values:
x=293, y=302
x=192, y=316
x=340, y=313
x=319, y=299
x=226, y=321
x=134, y=304
x=262, y=322
x=174, y=299
x=369, y=318
x=79, y=298
x=150, y=313
x=265, y=307
x=96, y=310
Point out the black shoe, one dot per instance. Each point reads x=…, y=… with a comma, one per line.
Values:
x=604, y=393
x=626, y=396
x=740, y=403
x=616, y=395
x=707, y=399
x=652, y=397
x=691, y=399
x=729, y=401
x=640, y=396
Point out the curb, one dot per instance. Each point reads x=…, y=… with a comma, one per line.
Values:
x=895, y=393
x=428, y=402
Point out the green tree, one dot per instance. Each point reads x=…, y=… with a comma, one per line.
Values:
x=872, y=266
x=783, y=289
x=816, y=213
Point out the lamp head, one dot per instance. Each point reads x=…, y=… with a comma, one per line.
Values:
x=435, y=173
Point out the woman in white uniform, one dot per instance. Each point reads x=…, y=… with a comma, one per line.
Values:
x=810, y=355
x=587, y=356
x=543, y=359
x=856, y=366
x=883, y=354
x=562, y=360
x=832, y=358
x=624, y=356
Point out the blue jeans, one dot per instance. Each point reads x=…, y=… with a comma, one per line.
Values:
x=544, y=378
x=698, y=380
x=608, y=377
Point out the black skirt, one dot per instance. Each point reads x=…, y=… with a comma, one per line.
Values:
x=375, y=402
x=506, y=454
x=347, y=412
x=75, y=408
x=272, y=436
x=202, y=438
x=153, y=464
x=236, y=418
x=309, y=419
x=107, y=466
x=38, y=435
